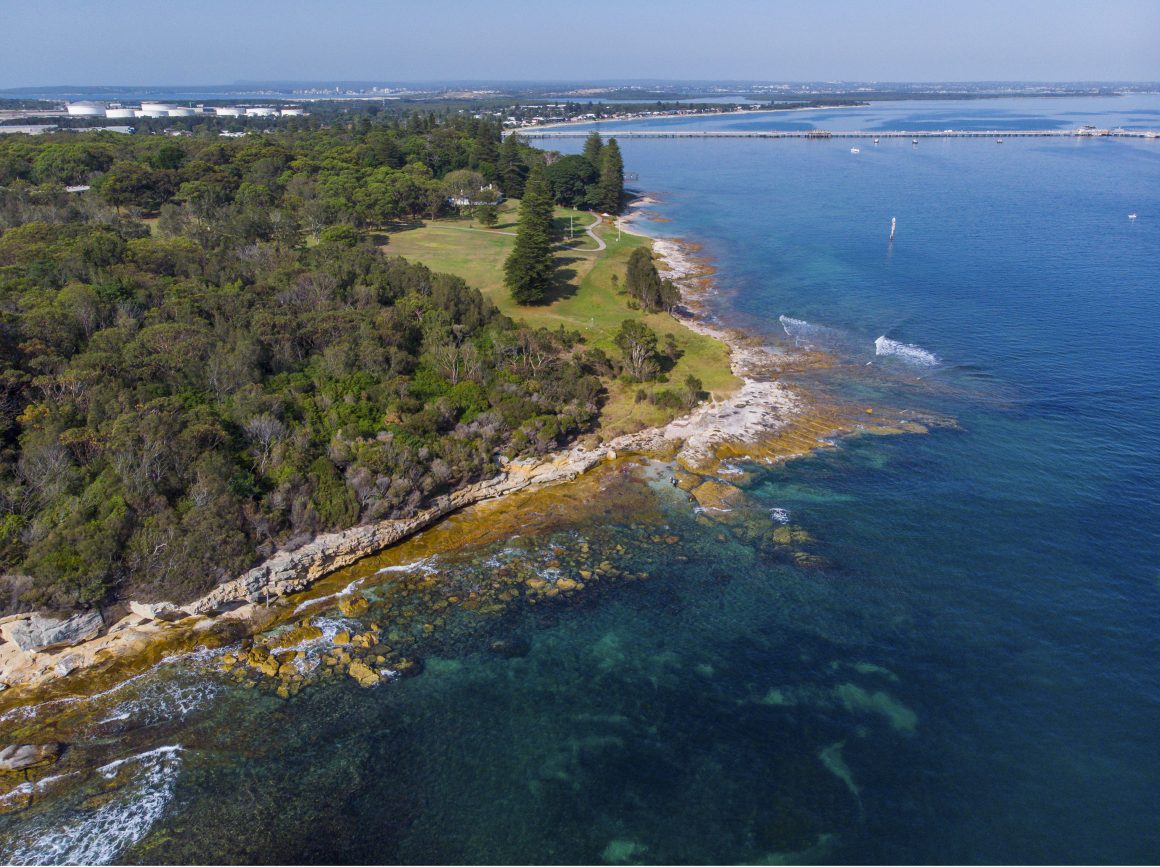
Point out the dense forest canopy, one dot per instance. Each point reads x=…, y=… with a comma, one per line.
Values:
x=202, y=359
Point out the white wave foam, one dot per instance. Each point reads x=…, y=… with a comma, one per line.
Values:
x=15, y=796
x=313, y=648
x=905, y=351
x=424, y=565
x=345, y=591
x=803, y=332
x=780, y=515
x=201, y=655
x=164, y=700
x=99, y=836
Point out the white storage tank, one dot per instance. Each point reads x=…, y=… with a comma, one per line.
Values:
x=148, y=112
x=86, y=109
x=181, y=111
x=293, y=112
x=121, y=112
x=156, y=106
x=261, y=112
x=228, y=112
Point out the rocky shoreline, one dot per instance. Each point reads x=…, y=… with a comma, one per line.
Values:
x=38, y=649
x=765, y=419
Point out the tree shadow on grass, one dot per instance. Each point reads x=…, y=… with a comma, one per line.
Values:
x=403, y=226
x=562, y=285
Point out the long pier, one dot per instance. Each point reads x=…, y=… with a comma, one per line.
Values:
x=858, y=134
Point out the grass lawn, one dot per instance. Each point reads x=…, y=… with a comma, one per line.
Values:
x=584, y=300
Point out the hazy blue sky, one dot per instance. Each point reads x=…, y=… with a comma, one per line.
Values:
x=221, y=41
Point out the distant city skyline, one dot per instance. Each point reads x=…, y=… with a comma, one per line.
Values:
x=130, y=42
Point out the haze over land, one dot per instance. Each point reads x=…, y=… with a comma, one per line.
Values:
x=135, y=42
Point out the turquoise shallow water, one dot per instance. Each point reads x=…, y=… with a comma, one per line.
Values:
x=972, y=675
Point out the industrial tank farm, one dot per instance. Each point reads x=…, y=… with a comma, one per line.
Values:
x=164, y=109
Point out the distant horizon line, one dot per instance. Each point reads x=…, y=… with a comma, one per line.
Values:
x=601, y=82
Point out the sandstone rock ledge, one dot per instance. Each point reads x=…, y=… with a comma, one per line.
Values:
x=30, y=644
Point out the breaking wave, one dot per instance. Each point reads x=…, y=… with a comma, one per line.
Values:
x=425, y=565
x=803, y=333
x=144, y=786
x=162, y=698
x=907, y=352
x=345, y=591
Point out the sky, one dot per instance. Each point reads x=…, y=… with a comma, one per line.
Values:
x=163, y=42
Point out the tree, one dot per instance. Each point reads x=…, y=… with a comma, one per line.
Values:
x=645, y=285
x=693, y=391
x=593, y=146
x=611, y=178
x=68, y=163
x=528, y=269
x=569, y=178
x=487, y=206
x=463, y=184
x=513, y=170
x=128, y=184
x=638, y=343
x=487, y=149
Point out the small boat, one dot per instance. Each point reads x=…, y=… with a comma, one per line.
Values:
x=1132, y=216
x=875, y=139
x=855, y=151
x=914, y=141
x=998, y=141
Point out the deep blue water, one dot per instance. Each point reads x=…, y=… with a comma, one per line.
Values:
x=973, y=675
x=1028, y=543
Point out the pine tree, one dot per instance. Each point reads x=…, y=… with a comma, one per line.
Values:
x=611, y=178
x=486, y=155
x=528, y=269
x=593, y=145
x=513, y=171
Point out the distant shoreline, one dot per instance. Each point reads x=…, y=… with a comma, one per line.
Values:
x=538, y=127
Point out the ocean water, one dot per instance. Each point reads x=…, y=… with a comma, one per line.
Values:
x=965, y=672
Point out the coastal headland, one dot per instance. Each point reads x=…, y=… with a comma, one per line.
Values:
x=753, y=413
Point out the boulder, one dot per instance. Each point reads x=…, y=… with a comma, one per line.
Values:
x=19, y=757
x=353, y=606
x=363, y=673
x=157, y=610
x=41, y=631
x=719, y=497
x=68, y=663
x=304, y=633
